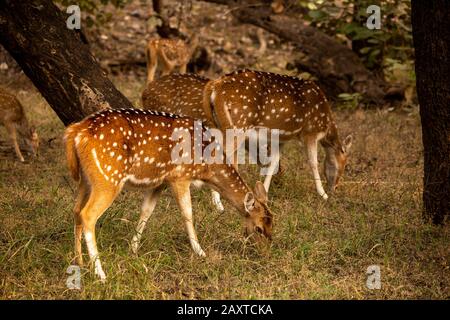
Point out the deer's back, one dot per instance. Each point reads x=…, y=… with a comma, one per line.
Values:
x=253, y=99
x=181, y=94
x=134, y=147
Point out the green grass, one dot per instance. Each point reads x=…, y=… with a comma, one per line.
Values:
x=321, y=250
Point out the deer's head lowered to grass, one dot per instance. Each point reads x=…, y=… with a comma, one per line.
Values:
x=335, y=160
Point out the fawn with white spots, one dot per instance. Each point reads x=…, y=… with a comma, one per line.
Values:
x=298, y=108
x=13, y=117
x=170, y=54
x=113, y=149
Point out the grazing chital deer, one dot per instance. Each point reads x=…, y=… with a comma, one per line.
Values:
x=132, y=147
x=170, y=53
x=296, y=107
x=12, y=116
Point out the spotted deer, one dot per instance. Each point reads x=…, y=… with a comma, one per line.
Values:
x=113, y=149
x=297, y=108
x=12, y=116
x=169, y=53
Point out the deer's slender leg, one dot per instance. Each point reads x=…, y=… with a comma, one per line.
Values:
x=273, y=167
x=215, y=196
x=183, y=197
x=148, y=206
x=10, y=127
x=99, y=200
x=83, y=194
x=152, y=62
x=266, y=144
x=311, y=148
x=183, y=68
x=216, y=201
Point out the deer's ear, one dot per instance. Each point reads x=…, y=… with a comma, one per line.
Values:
x=249, y=202
x=347, y=143
x=260, y=192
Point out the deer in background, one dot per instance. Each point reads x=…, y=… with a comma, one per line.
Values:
x=169, y=53
x=112, y=149
x=13, y=117
x=296, y=107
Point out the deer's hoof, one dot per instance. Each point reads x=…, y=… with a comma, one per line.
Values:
x=134, y=245
x=201, y=253
x=101, y=274
x=197, y=249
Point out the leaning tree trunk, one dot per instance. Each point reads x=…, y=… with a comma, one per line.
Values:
x=55, y=59
x=431, y=25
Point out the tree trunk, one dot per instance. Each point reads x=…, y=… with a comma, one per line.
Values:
x=431, y=25
x=55, y=59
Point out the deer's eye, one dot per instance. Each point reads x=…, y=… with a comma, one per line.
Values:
x=267, y=220
x=258, y=230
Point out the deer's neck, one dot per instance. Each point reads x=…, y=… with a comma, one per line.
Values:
x=332, y=138
x=23, y=126
x=230, y=185
x=331, y=143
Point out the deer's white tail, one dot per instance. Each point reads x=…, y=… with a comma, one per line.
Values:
x=71, y=151
x=208, y=99
x=219, y=115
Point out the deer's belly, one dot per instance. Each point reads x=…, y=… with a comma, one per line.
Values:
x=136, y=182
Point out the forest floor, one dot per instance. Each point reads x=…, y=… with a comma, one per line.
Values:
x=320, y=250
